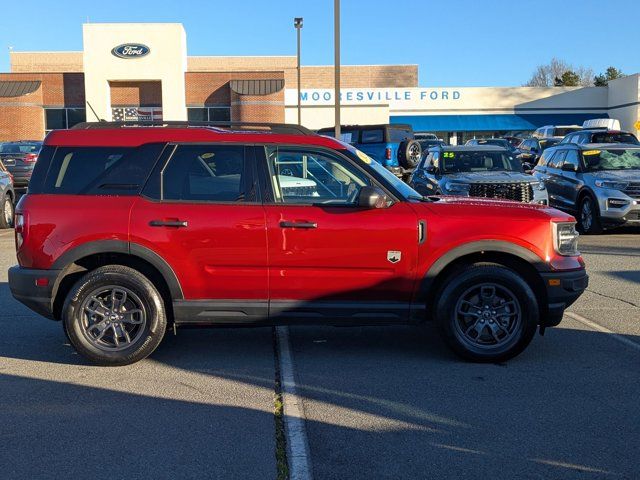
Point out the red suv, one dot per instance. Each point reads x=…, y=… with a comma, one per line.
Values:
x=128, y=231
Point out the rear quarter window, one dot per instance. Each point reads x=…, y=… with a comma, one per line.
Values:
x=100, y=170
x=372, y=136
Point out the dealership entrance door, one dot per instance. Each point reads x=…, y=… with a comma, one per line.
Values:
x=136, y=100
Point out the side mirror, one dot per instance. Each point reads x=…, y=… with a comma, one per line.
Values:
x=568, y=167
x=372, y=197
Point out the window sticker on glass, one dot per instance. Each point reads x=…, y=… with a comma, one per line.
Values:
x=364, y=157
x=449, y=155
x=591, y=152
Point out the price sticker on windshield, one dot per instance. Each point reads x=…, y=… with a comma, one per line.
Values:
x=591, y=152
x=448, y=155
x=637, y=125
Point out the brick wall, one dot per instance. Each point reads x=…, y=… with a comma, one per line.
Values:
x=213, y=88
x=41, y=62
x=136, y=94
x=355, y=76
x=258, y=108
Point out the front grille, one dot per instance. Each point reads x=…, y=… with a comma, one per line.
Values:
x=520, y=192
x=633, y=190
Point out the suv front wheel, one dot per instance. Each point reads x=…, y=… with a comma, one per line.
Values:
x=6, y=215
x=487, y=313
x=114, y=316
x=589, y=216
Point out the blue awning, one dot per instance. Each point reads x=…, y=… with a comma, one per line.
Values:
x=492, y=123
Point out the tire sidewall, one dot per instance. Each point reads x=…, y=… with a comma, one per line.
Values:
x=121, y=276
x=403, y=154
x=448, y=299
x=595, y=216
x=3, y=222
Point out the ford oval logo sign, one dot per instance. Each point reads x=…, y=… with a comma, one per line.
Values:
x=131, y=50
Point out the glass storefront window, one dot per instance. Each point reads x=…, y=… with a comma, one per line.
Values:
x=61, y=118
x=209, y=114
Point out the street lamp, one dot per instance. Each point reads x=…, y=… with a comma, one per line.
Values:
x=297, y=22
x=336, y=41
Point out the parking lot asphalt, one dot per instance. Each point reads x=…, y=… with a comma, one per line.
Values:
x=378, y=402
x=181, y=414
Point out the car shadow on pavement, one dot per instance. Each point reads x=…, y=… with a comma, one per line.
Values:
x=380, y=402
x=628, y=275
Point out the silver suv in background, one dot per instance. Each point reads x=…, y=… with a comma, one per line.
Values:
x=598, y=183
x=7, y=198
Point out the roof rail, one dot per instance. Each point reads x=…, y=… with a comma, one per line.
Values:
x=284, y=128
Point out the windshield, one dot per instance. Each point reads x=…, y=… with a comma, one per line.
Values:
x=405, y=190
x=457, y=162
x=20, y=148
x=610, y=137
x=613, y=159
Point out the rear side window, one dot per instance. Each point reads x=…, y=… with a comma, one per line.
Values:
x=372, y=136
x=207, y=173
x=397, y=135
x=100, y=170
x=558, y=158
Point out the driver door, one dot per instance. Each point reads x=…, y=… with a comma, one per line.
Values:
x=328, y=257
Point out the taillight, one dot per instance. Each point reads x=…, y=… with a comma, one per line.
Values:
x=19, y=229
x=30, y=157
x=387, y=153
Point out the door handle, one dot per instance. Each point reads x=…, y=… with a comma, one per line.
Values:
x=168, y=223
x=298, y=225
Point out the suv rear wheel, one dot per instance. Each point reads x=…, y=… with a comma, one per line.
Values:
x=589, y=216
x=487, y=313
x=114, y=316
x=6, y=215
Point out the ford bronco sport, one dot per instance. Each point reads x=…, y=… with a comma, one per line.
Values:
x=127, y=231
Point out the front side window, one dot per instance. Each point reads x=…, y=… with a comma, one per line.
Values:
x=572, y=158
x=207, y=173
x=558, y=158
x=310, y=177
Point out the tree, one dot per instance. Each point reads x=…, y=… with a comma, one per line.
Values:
x=546, y=75
x=567, y=79
x=603, y=79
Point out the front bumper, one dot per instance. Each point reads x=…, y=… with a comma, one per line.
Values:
x=563, y=288
x=627, y=214
x=22, y=282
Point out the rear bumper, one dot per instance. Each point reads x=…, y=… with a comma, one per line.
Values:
x=563, y=288
x=22, y=282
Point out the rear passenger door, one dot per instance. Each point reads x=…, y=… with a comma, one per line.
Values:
x=201, y=212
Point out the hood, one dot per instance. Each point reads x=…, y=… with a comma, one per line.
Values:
x=471, y=207
x=489, y=177
x=617, y=175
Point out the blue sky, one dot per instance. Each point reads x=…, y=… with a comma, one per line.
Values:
x=454, y=42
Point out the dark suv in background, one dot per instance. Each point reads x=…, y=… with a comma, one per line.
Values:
x=20, y=158
x=530, y=150
x=392, y=145
x=476, y=171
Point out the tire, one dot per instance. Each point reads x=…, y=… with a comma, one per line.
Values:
x=7, y=212
x=487, y=336
x=589, y=216
x=114, y=336
x=409, y=154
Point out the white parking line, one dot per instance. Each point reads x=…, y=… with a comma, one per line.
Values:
x=600, y=328
x=298, y=457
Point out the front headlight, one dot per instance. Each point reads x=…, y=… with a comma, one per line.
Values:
x=538, y=185
x=611, y=185
x=565, y=239
x=457, y=188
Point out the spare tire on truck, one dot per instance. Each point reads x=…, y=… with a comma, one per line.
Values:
x=409, y=154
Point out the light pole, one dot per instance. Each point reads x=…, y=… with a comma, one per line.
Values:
x=297, y=22
x=336, y=41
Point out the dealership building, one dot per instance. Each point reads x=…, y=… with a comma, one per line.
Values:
x=142, y=71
